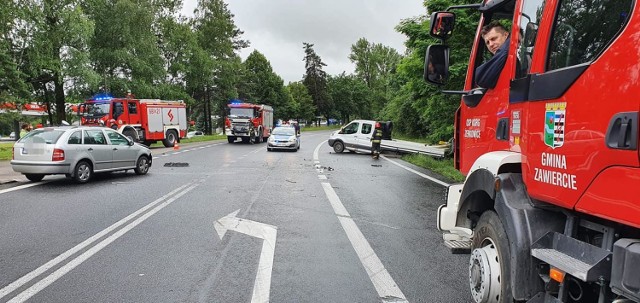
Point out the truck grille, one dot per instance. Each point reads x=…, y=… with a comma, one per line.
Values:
x=241, y=127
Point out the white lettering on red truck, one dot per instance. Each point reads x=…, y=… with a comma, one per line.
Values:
x=554, y=177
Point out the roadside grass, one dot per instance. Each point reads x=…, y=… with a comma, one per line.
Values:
x=443, y=167
x=203, y=138
x=5, y=150
x=314, y=128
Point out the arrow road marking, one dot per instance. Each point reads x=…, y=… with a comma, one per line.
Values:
x=266, y=232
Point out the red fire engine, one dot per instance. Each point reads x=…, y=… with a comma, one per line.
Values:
x=550, y=208
x=143, y=120
x=251, y=122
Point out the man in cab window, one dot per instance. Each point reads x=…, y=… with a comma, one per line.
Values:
x=496, y=38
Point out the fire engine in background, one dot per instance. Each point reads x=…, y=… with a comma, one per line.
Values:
x=143, y=120
x=550, y=208
x=250, y=122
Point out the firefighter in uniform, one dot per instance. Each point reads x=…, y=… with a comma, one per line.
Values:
x=376, y=138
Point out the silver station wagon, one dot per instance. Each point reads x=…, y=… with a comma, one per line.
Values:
x=77, y=152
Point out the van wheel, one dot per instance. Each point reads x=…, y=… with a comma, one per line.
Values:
x=34, y=177
x=82, y=172
x=142, y=165
x=338, y=147
x=489, y=275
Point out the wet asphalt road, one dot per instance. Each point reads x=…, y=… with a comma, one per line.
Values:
x=349, y=229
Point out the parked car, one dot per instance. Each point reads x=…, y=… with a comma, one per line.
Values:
x=12, y=135
x=196, y=133
x=77, y=152
x=283, y=137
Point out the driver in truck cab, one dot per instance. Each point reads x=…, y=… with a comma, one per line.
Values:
x=496, y=38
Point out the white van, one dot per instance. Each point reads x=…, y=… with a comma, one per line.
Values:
x=356, y=137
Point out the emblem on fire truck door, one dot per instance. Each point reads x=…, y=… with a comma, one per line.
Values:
x=555, y=116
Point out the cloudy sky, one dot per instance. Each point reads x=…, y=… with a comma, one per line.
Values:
x=277, y=29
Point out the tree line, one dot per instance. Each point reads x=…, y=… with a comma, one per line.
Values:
x=63, y=51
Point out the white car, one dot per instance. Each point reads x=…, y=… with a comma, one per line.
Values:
x=196, y=133
x=284, y=137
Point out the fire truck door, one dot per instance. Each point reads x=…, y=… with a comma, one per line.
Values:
x=119, y=112
x=571, y=93
x=132, y=110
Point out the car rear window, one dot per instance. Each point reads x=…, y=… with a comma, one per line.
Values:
x=48, y=136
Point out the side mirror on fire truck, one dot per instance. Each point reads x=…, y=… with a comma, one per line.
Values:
x=442, y=25
x=436, y=64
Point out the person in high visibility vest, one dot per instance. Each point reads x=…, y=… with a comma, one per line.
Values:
x=376, y=138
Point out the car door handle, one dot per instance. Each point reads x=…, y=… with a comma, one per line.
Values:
x=622, y=132
x=115, y=148
x=90, y=149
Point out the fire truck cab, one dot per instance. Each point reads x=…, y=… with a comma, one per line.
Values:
x=250, y=122
x=550, y=208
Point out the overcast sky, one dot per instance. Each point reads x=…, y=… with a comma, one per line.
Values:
x=277, y=29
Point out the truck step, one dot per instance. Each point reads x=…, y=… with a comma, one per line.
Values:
x=579, y=259
x=458, y=247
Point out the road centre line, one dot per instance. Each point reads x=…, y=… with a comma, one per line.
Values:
x=432, y=179
x=379, y=276
x=62, y=257
x=384, y=284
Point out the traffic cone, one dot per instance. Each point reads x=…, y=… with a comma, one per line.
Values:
x=176, y=146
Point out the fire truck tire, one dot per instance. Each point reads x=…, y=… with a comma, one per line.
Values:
x=82, y=172
x=170, y=139
x=142, y=165
x=34, y=177
x=231, y=139
x=131, y=134
x=489, y=275
x=265, y=139
x=338, y=147
x=257, y=139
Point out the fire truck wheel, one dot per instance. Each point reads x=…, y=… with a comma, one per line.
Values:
x=142, y=165
x=34, y=177
x=82, y=172
x=131, y=134
x=489, y=274
x=170, y=139
x=338, y=147
x=231, y=139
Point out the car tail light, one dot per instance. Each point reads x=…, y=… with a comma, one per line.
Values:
x=58, y=155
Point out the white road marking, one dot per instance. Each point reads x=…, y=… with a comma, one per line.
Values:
x=168, y=198
x=262, y=284
x=384, y=284
x=23, y=186
x=432, y=179
x=379, y=276
x=322, y=177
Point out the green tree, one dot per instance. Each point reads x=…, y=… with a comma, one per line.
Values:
x=215, y=82
x=263, y=85
x=350, y=95
x=374, y=64
x=56, y=56
x=302, y=107
x=315, y=79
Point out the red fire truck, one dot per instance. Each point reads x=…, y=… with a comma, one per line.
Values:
x=250, y=122
x=143, y=120
x=550, y=208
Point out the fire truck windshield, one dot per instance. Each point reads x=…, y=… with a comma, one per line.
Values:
x=241, y=112
x=96, y=109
